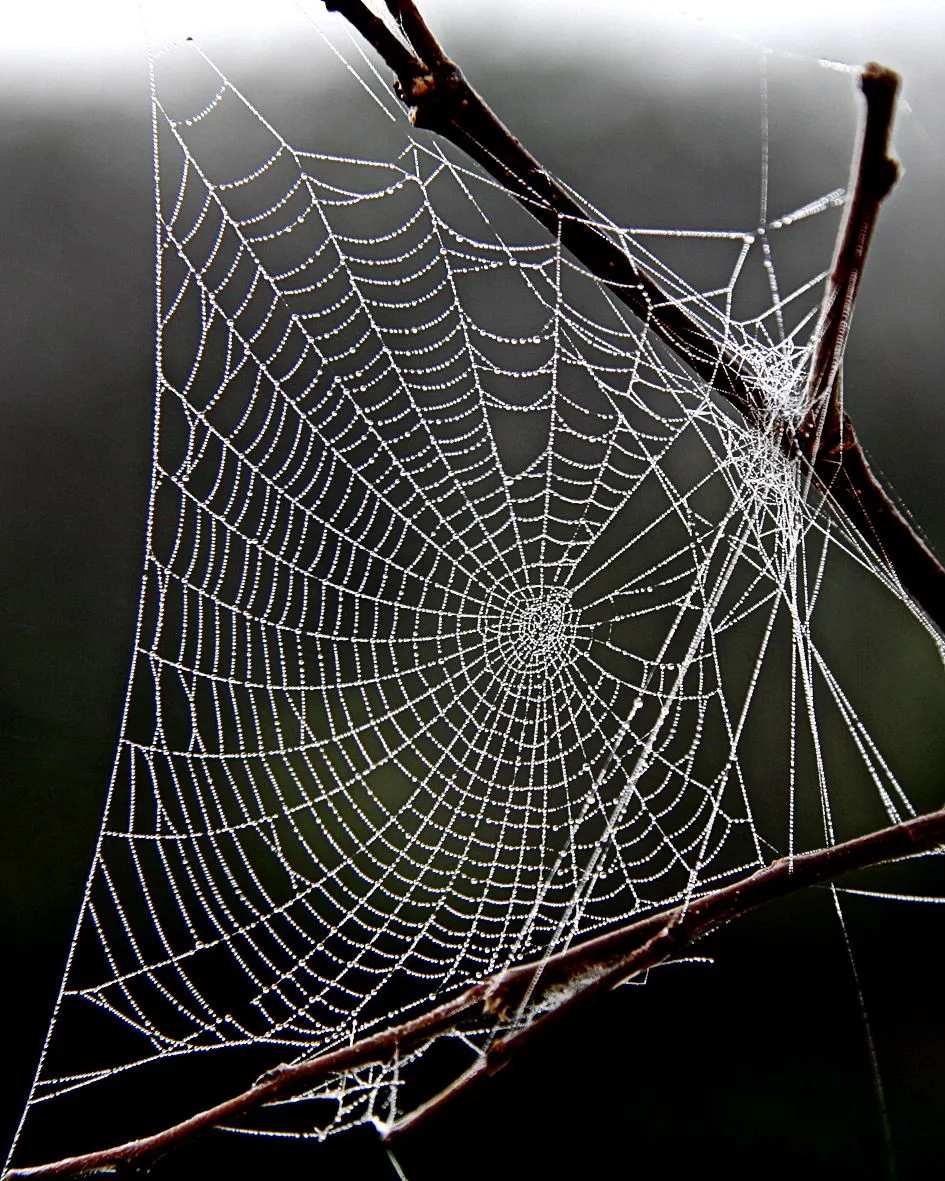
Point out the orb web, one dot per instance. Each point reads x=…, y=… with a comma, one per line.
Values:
x=471, y=624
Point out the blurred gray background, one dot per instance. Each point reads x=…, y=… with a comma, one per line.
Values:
x=755, y=1066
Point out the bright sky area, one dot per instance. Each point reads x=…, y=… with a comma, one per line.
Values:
x=44, y=32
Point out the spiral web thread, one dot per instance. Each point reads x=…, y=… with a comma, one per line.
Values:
x=466, y=613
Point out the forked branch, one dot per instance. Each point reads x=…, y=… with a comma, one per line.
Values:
x=557, y=987
x=826, y=438
x=440, y=99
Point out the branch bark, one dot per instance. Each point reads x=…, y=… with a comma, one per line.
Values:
x=826, y=438
x=582, y=973
x=557, y=988
x=439, y=99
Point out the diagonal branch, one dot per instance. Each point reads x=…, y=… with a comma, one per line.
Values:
x=418, y=33
x=567, y=982
x=440, y=100
x=557, y=988
x=379, y=36
x=826, y=438
x=554, y=989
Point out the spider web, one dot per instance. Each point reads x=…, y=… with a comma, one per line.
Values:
x=471, y=622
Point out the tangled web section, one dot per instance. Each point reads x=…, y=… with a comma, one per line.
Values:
x=471, y=623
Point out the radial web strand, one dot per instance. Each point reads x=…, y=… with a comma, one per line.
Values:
x=472, y=623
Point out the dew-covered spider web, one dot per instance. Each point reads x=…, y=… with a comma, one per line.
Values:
x=472, y=622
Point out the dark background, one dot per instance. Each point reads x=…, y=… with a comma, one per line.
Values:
x=756, y=1065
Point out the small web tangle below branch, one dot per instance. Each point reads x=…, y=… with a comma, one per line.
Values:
x=472, y=624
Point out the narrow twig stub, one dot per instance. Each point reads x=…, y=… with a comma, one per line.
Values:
x=560, y=986
x=826, y=438
x=440, y=100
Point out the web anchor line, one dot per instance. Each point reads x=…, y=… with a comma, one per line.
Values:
x=569, y=981
x=440, y=99
x=471, y=609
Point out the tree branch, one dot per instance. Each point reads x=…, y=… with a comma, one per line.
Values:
x=826, y=438
x=418, y=33
x=874, y=173
x=379, y=36
x=440, y=100
x=556, y=988
x=582, y=973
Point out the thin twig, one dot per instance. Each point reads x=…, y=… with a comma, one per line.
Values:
x=579, y=975
x=826, y=438
x=279, y=1083
x=377, y=35
x=418, y=33
x=440, y=100
x=873, y=175
x=559, y=987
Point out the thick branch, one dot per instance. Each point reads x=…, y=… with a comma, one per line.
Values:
x=584, y=972
x=560, y=986
x=441, y=100
x=873, y=176
x=826, y=439
x=377, y=34
x=418, y=33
